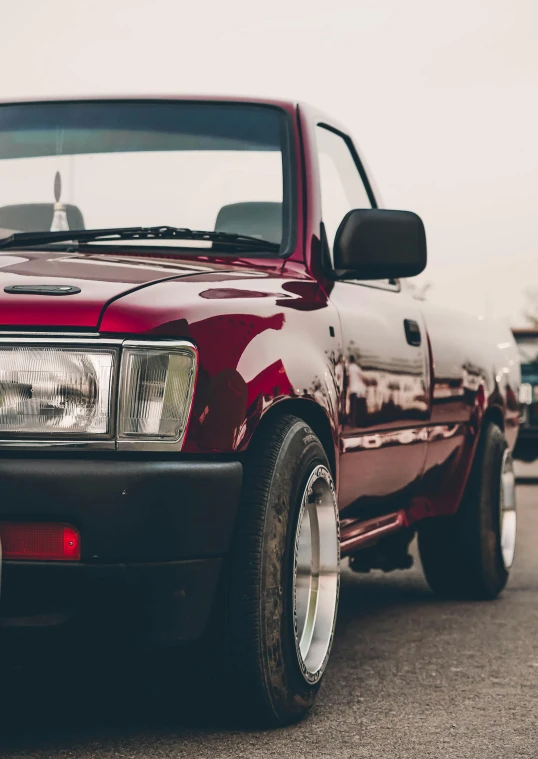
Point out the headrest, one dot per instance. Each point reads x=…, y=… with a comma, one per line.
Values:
x=37, y=217
x=263, y=220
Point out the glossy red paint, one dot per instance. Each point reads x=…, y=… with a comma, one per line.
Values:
x=277, y=332
x=102, y=278
x=250, y=355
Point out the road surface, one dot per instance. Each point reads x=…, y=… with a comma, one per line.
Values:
x=410, y=677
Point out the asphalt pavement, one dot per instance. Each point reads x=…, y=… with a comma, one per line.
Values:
x=410, y=677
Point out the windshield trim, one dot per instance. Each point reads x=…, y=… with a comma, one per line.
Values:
x=288, y=153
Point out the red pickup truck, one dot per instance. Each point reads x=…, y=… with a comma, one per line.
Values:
x=215, y=386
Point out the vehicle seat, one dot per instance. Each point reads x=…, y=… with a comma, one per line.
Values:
x=260, y=219
x=37, y=217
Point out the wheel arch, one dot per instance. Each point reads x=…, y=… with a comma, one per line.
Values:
x=493, y=414
x=315, y=416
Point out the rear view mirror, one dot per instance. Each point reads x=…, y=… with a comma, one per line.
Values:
x=379, y=244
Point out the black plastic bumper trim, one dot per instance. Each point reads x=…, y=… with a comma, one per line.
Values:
x=128, y=510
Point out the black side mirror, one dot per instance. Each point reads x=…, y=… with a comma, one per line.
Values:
x=379, y=244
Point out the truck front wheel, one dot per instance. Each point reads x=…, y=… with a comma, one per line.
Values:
x=283, y=579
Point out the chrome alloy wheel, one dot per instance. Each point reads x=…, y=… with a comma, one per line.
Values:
x=316, y=575
x=508, y=514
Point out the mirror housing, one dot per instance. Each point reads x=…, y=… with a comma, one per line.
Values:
x=378, y=244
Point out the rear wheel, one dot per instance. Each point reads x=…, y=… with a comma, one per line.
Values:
x=284, y=576
x=469, y=555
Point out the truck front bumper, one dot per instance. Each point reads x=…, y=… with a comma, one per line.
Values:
x=153, y=533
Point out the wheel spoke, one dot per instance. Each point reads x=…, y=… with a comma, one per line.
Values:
x=316, y=574
x=508, y=515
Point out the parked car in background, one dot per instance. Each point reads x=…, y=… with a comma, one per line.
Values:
x=215, y=386
x=527, y=443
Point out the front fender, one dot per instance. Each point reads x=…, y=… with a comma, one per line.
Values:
x=286, y=356
x=262, y=338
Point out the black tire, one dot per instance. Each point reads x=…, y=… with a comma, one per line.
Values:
x=266, y=682
x=461, y=555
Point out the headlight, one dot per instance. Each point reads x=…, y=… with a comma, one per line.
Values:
x=55, y=391
x=120, y=394
x=156, y=389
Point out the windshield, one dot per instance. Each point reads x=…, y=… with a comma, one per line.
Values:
x=528, y=349
x=206, y=166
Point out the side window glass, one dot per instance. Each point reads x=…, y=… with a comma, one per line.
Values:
x=342, y=188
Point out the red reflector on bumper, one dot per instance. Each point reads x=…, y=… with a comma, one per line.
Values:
x=39, y=541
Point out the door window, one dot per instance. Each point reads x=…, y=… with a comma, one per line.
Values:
x=342, y=187
x=342, y=190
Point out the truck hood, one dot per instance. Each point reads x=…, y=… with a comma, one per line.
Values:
x=101, y=277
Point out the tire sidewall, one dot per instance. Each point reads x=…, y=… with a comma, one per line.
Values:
x=298, y=457
x=487, y=519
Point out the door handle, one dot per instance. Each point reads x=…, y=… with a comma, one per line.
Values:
x=412, y=332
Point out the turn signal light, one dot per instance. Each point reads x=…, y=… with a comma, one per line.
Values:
x=39, y=541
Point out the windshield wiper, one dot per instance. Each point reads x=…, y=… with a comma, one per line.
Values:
x=229, y=239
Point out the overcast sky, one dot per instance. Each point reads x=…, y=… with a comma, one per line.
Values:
x=442, y=99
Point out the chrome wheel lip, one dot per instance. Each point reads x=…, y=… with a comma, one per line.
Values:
x=508, y=510
x=316, y=574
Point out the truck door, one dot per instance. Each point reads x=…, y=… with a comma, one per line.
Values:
x=385, y=403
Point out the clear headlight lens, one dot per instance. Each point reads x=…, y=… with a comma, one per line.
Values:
x=55, y=391
x=155, y=392
x=60, y=392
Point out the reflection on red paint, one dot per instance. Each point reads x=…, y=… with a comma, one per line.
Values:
x=230, y=292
